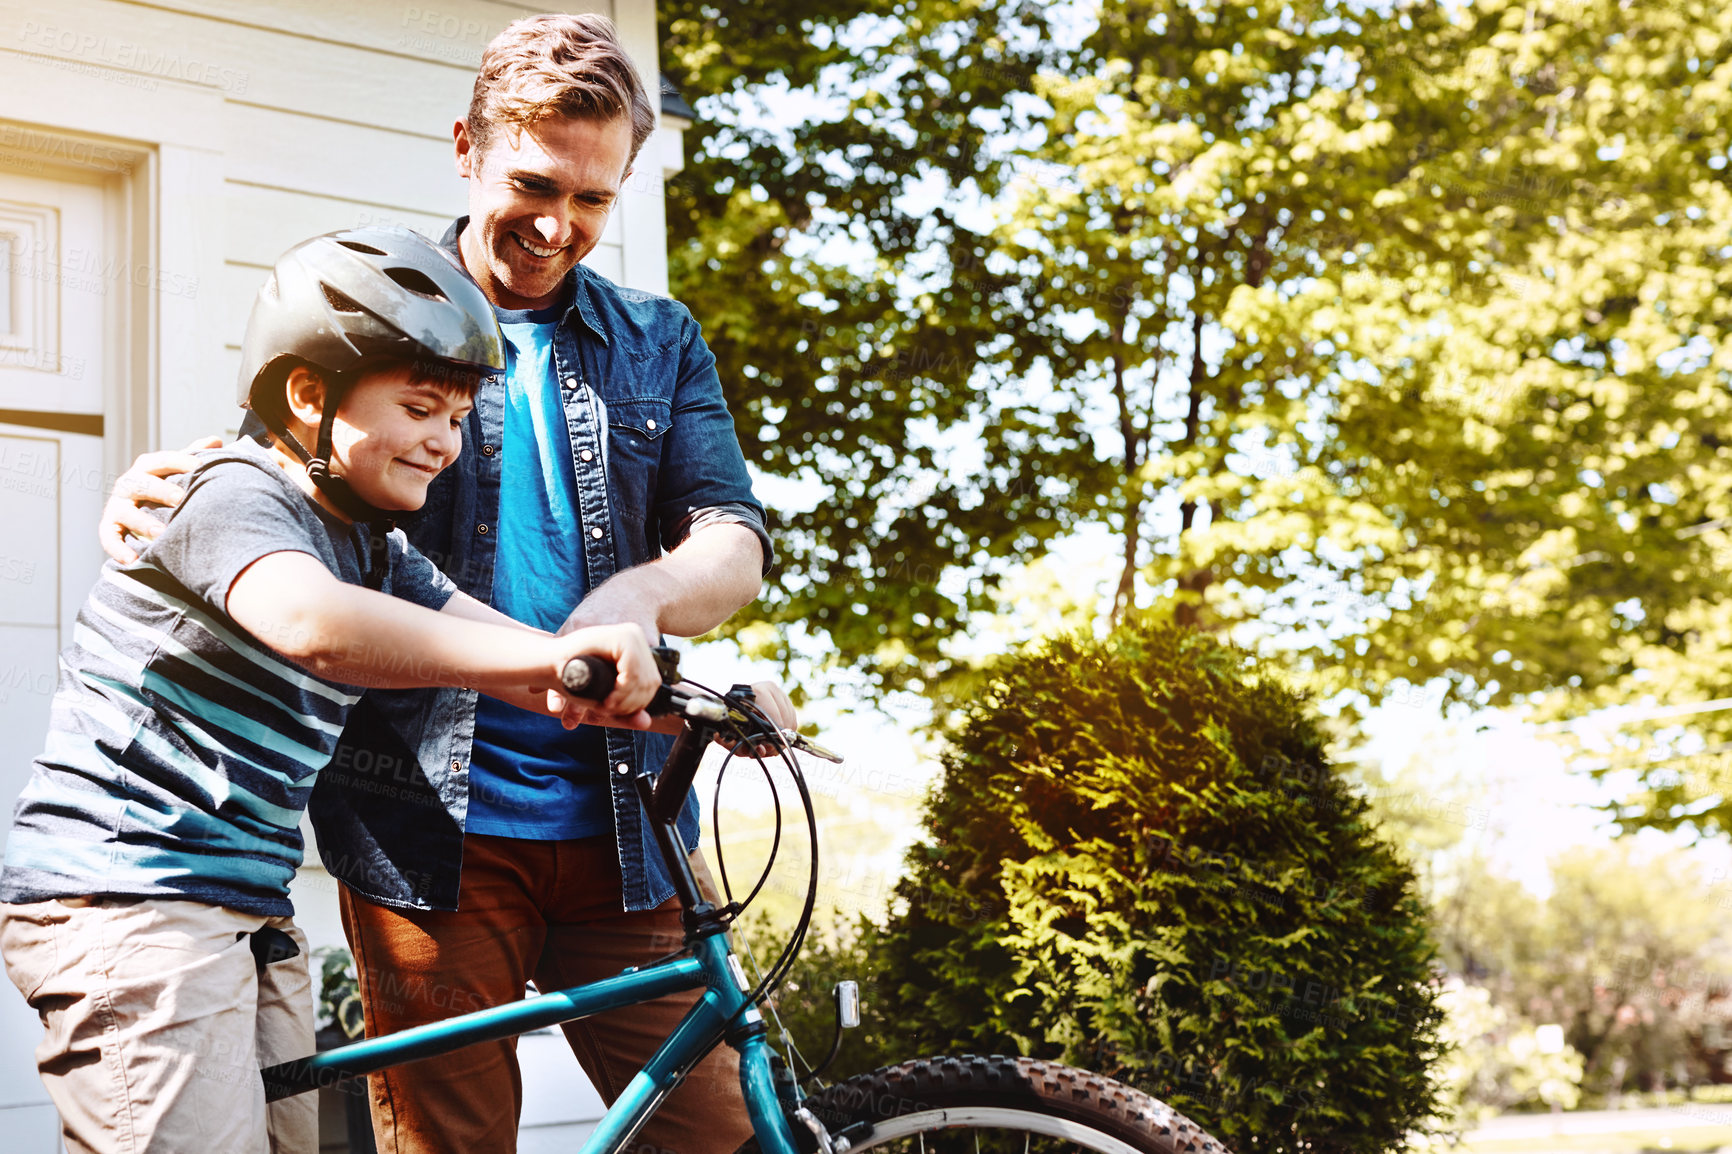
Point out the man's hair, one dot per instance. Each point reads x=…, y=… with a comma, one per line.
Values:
x=557, y=65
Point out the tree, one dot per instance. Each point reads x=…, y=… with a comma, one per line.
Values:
x=1628, y=957
x=1543, y=430
x=1625, y=952
x=850, y=367
x=1493, y=1063
x=924, y=324
x=1391, y=339
x=1140, y=861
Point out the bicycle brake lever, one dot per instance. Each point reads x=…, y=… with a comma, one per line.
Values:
x=804, y=744
x=667, y=661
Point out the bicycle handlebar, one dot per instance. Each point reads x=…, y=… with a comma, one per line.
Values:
x=589, y=677
x=732, y=718
x=593, y=678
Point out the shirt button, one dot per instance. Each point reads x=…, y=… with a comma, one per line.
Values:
x=456, y=766
x=571, y=382
x=622, y=767
x=650, y=424
x=481, y=529
x=586, y=455
x=596, y=532
x=487, y=450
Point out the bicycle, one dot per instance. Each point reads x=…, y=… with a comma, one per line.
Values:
x=938, y=1100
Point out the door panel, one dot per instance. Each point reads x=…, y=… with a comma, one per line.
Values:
x=55, y=309
x=60, y=272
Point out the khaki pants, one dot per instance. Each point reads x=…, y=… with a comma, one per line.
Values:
x=547, y=911
x=157, y=1021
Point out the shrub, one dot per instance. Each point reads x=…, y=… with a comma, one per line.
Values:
x=1140, y=861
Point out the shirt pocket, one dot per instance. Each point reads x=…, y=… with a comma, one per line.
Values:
x=637, y=435
x=649, y=419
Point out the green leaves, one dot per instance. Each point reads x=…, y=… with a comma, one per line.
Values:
x=1395, y=340
x=1228, y=936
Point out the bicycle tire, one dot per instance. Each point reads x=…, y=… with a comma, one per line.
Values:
x=929, y=1104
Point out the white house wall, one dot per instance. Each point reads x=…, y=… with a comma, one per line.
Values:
x=277, y=119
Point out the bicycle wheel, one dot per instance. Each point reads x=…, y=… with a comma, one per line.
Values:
x=999, y=1105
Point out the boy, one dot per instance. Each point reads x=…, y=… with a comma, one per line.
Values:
x=147, y=917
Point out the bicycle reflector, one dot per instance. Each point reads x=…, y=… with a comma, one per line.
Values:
x=847, y=1004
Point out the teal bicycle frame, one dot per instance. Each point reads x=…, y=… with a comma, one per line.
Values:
x=722, y=1012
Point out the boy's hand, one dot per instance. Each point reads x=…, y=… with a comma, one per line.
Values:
x=141, y=485
x=637, y=681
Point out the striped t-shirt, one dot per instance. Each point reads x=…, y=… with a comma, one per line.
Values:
x=181, y=750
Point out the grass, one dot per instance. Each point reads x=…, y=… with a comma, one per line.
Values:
x=1684, y=1139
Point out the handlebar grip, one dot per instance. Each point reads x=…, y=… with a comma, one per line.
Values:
x=589, y=677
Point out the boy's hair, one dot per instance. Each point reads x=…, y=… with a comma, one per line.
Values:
x=271, y=398
x=557, y=65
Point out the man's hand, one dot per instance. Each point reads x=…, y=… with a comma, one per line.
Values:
x=621, y=601
x=142, y=485
x=773, y=701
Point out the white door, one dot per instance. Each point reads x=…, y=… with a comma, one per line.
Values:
x=57, y=287
x=60, y=292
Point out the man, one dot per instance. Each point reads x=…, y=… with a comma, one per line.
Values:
x=608, y=442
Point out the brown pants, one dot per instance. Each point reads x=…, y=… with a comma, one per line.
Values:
x=547, y=911
x=156, y=1020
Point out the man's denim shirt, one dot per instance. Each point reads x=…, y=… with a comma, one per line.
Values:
x=655, y=455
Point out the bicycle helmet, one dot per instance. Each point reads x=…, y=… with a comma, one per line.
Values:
x=338, y=301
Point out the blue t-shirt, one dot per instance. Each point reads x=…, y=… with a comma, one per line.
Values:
x=529, y=777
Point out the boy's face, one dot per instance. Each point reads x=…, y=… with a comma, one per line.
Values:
x=539, y=198
x=394, y=434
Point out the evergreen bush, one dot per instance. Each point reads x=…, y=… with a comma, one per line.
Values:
x=1140, y=861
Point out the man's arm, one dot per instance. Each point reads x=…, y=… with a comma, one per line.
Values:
x=685, y=592
x=772, y=698
x=145, y=484
x=292, y=603
x=713, y=561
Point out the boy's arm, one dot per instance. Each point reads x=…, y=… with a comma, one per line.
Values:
x=468, y=608
x=291, y=602
x=772, y=699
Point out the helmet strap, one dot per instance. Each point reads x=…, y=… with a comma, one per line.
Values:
x=379, y=522
x=287, y=439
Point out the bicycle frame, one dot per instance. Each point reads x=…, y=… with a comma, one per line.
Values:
x=721, y=1013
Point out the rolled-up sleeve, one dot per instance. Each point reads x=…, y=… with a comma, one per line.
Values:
x=746, y=515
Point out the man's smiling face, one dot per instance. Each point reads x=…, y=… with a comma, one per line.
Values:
x=538, y=201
